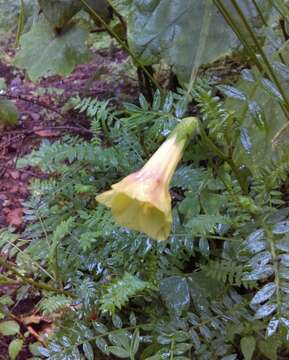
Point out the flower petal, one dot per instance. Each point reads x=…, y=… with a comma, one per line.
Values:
x=141, y=216
x=106, y=198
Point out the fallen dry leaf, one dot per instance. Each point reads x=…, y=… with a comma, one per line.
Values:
x=15, y=174
x=14, y=217
x=47, y=133
x=32, y=319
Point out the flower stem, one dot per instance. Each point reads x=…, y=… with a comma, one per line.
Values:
x=27, y=280
x=270, y=70
x=241, y=180
x=122, y=43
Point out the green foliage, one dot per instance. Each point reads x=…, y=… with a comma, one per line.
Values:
x=151, y=34
x=14, y=348
x=8, y=113
x=8, y=328
x=202, y=34
x=59, y=13
x=9, y=12
x=117, y=294
x=54, y=304
x=44, y=52
x=182, y=297
x=218, y=287
x=226, y=270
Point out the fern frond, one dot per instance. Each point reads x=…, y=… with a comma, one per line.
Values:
x=215, y=117
x=228, y=271
x=119, y=292
x=54, y=304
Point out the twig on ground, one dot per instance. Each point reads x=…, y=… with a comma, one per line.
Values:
x=34, y=102
x=64, y=127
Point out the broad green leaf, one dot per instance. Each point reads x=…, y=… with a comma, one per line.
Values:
x=245, y=140
x=101, y=7
x=264, y=294
x=119, y=352
x=175, y=292
x=43, y=351
x=261, y=273
x=88, y=351
x=281, y=69
x=3, y=85
x=283, y=245
x=212, y=203
x=281, y=228
x=14, y=348
x=195, y=339
x=264, y=123
x=6, y=300
x=10, y=11
x=269, y=347
x=284, y=259
x=102, y=345
x=182, y=348
x=184, y=33
x=8, y=328
x=203, y=287
x=248, y=345
x=232, y=92
x=265, y=310
x=59, y=12
x=271, y=89
x=116, y=320
x=44, y=52
x=203, y=224
x=120, y=339
x=100, y=328
x=260, y=259
x=8, y=112
x=256, y=241
x=272, y=327
x=135, y=341
x=34, y=348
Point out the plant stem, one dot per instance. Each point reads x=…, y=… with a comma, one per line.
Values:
x=234, y=308
x=241, y=180
x=231, y=22
x=122, y=44
x=172, y=350
x=270, y=70
x=36, y=284
x=227, y=16
x=257, y=7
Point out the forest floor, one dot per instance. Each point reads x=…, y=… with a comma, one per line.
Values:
x=41, y=118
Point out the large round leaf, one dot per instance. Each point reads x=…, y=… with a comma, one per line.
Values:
x=59, y=12
x=184, y=33
x=44, y=52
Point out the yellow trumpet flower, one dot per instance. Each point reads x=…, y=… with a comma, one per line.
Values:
x=141, y=201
